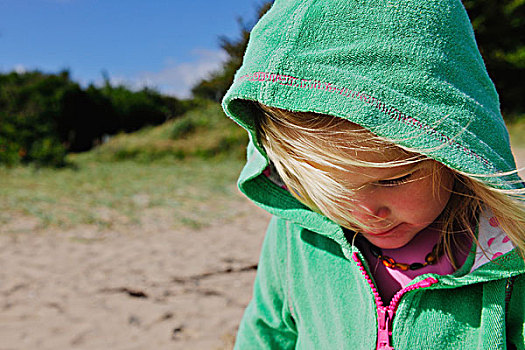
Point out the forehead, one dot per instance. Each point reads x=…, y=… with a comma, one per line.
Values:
x=379, y=155
x=364, y=165
x=359, y=175
x=362, y=156
x=357, y=172
x=359, y=145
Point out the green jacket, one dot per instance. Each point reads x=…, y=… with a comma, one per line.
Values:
x=409, y=71
x=313, y=289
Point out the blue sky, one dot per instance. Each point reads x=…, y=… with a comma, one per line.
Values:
x=165, y=44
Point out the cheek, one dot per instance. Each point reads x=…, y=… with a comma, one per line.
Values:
x=444, y=190
x=420, y=202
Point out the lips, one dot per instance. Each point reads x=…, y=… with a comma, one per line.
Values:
x=384, y=233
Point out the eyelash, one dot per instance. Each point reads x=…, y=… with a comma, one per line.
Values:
x=394, y=182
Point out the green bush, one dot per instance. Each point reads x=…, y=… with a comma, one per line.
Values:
x=47, y=151
x=203, y=132
x=183, y=127
x=44, y=116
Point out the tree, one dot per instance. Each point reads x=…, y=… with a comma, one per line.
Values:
x=499, y=26
x=215, y=87
x=29, y=104
x=44, y=116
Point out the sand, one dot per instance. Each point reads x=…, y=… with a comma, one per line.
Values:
x=147, y=287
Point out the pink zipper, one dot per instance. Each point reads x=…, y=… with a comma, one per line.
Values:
x=385, y=314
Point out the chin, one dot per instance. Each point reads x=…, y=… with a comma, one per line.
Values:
x=398, y=237
x=393, y=239
x=388, y=245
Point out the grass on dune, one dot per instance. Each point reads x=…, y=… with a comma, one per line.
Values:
x=190, y=173
x=517, y=132
x=201, y=133
x=106, y=194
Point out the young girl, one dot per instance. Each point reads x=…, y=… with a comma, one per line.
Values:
x=378, y=145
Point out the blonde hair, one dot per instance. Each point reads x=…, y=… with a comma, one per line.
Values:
x=308, y=148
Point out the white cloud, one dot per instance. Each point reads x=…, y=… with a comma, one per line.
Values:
x=177, y=78
x=20, y=69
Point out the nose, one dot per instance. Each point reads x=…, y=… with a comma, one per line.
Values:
x=369, y=211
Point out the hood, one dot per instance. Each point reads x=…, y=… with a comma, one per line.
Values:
x=409, y=71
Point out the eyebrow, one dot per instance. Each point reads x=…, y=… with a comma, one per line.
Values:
x=393, y=176
x=401, y=173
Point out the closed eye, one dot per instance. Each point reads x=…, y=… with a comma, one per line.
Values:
x=394, y=182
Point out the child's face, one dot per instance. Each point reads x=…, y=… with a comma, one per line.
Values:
x=394, y=204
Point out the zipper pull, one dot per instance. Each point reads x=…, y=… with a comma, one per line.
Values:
x=427, y=282
x=384, y=330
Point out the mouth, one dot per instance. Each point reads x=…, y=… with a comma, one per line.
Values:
x=383, y=233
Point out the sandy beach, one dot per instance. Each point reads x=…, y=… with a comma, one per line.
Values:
x=149, y=287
